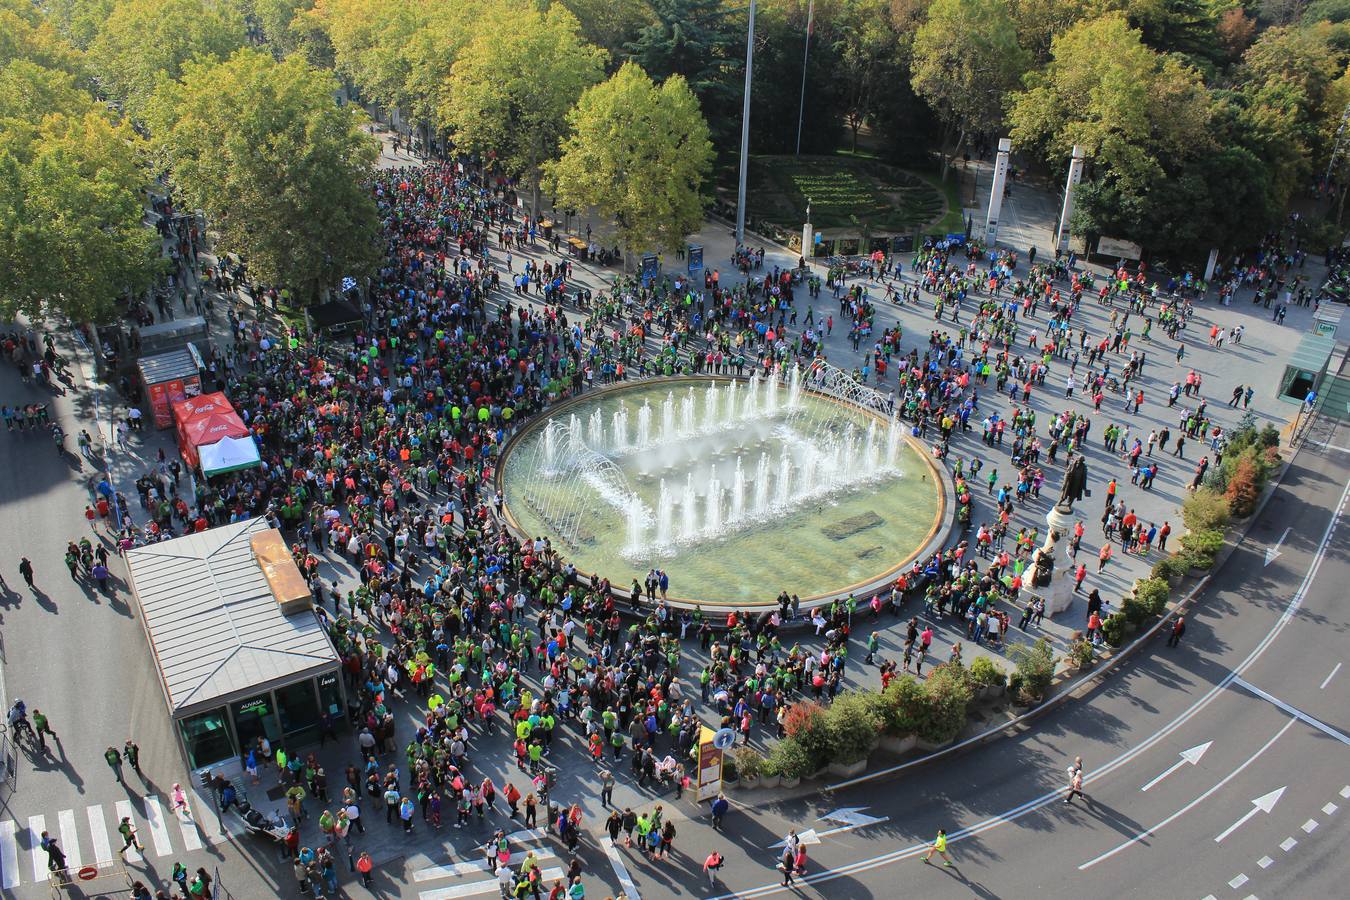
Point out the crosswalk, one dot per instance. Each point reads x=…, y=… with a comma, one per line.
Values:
x=94, y=838
x=480, y=869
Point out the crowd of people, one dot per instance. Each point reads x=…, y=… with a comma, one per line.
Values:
x=379, y=454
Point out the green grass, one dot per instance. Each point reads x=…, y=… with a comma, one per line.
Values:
x=845, y=191
x=954, y=220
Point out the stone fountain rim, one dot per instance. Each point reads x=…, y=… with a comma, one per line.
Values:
x=936, y=538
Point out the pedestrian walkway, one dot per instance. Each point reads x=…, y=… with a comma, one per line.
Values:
x=90, y=837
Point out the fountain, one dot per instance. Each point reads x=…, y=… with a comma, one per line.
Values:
x=731, y=486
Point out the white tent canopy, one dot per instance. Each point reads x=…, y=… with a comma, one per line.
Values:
x=227, y=455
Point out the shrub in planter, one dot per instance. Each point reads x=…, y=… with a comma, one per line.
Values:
x=1080, y=652
x=984, y=673
x=1015, y=685
x=1200, y=547
x=947, y=694
x=904, y=702
x=1205, y=510
x=1133, y=610
x=1036, y=664
x=1169, y=568
x=1244, y=485
x=790, y=759
x=749, y=762
x=1153, y=594
x=805, y=721
x=852, y=723
x=1113, y=629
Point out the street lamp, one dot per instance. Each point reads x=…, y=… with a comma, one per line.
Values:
x=745, y=127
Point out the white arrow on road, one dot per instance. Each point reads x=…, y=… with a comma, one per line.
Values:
x=1265, y=803
x=1191, y=756
x=851, y=817
x=1273, y=552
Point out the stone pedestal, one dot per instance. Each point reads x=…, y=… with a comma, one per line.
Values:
x=1059, y=594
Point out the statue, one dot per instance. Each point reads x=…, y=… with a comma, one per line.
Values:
x=1075, y=484
x=1043, y=564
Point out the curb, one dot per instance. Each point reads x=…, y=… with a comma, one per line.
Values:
x=1072, y=688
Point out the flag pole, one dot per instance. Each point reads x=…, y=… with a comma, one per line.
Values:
x=806, y=52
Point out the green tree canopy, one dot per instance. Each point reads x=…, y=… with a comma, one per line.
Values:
x=967, y=60
x=71, y=233
x=277, y=165
x=514, y=84
x=702, y=41
x=640, y=153
x=145, y=40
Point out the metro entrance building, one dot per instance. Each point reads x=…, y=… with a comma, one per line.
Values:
x=239, y=651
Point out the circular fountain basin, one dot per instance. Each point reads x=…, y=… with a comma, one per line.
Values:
x=736, y=489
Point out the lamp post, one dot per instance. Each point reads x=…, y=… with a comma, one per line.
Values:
x=745, y=127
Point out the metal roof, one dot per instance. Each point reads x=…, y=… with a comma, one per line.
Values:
x=216, y=631
x=167, y=366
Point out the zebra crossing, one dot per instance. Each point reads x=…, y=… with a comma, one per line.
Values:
x=483, y=871
x=94, y=838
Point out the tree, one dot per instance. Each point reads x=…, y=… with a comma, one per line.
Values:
x=279, y=168
x=611, y=24
x=868, y=48
x=701, y=41
x=1126, y=108
x=513, y=85
x=640, y=153
x=25, y=34
x=78, y=21
x=71, y=233
x=966, y=62
x=144, y=40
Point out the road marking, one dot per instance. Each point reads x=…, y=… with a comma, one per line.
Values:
x=1310, y=826
x=1345, y=792
x=1265, y=803
x=1030, y=806
x=1189, y=806
x=187, y=825
x=124, y=811
x=451, y=870
x=1326, y=681
x=1191, y=756
x=37, y=825
x=621, y=871
x=1273, y=552
x=1265, y=862
x=1292, y=710
x=486, y=886
x=1288, y=844
x=9, y=855
x=70, y=838
x=159, y=831
x=1330, y=809
x=1238, y=881
x=98, y=834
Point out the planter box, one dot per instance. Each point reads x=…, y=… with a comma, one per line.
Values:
x=930, y=746
x=749, y=783
x=847, y=770
x=790, y=781
x=898, y=745
x=769, y=781
x=817, y=773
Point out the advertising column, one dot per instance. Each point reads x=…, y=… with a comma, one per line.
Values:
x=709, y=783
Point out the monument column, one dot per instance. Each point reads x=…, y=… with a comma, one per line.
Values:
x=996, y=191
x=1075, y=176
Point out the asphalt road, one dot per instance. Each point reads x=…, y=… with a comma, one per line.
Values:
x=80, y=658
x=1279, y=627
